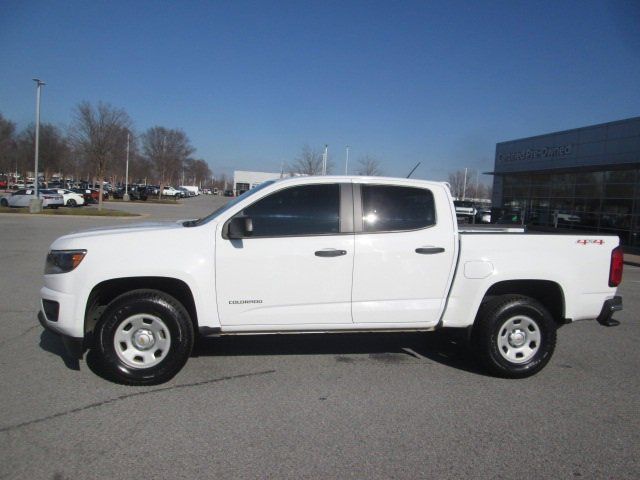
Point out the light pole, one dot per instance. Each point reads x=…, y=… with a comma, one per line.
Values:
x=35, y=205
x=346, y=162
x=126, y=175
x=324, y=159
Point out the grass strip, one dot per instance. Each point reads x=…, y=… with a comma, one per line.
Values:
x=84, y=212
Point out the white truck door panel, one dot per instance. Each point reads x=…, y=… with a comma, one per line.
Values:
x=401, y=276
x=282, y=281
x=296, y=268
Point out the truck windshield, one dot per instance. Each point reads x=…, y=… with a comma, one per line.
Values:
x=227, y=206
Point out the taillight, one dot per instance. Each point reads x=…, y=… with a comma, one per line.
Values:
x=615, y=271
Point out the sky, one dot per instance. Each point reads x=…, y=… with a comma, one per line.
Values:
x=251, y=83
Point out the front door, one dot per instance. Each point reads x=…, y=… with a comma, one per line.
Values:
x=296, y=267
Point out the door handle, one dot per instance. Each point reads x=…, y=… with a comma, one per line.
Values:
x=429, y=250
x=330, y=252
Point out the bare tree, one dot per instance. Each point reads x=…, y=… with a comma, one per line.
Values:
x=308, y=162
x=167, y=150
x=140, y=167
x=462, y=184
x=54, y=151
x=369, y=166
x=469, y=189
x=7, y=144
x=198, y=170
x=98, y=135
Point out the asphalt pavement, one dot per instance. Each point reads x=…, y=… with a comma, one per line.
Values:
x=364, y=406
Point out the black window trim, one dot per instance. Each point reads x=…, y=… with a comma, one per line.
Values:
x=358, y=209
x=345, y=212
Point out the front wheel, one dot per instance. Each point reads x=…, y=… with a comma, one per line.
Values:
x=4, y=202
x=72, y=203
x=144, y=338
x=514, y=336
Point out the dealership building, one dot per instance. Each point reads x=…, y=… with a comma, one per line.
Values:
x=584, y=179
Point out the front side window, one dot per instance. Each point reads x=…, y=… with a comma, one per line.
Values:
x=391, y=208
x=297, y=211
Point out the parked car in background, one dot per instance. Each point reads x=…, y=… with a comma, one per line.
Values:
x=86, y=194
x=135, y=193
x=171, y=192
x=152, y=189
x=192, y=188
x=464, y=208
x=228, y=193
x=90, y=195
x=564, y=217
x=184, y=193
x=23, y=197
x=70, y=198
x=483, y=215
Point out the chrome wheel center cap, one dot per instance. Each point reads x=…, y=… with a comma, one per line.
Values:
x=143, y=339
x=517, y=338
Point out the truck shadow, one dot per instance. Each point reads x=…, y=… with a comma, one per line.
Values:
x=446, y=348
x=441, y=347
x=53, y=344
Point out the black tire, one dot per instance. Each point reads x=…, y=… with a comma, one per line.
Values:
x=151, y=310
x=72, y=203
x=514, y=336
x=4, y=202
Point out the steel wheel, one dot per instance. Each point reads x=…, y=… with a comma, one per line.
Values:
x=519, y=339
x=142, y=341
x=514, y=336
x=144, y=337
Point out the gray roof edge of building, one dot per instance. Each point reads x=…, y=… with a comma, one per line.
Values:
x=559, y=132
x=582, y=168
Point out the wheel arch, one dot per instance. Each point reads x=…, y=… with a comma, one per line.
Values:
x=105, y=292
x=547, y=292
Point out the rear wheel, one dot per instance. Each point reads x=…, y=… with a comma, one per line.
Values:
x=144, y=337
x=4, y=202
x=514, y=336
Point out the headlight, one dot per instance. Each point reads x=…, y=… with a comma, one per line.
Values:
x=63, y=261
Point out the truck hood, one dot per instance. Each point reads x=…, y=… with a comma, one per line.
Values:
x=122, y=230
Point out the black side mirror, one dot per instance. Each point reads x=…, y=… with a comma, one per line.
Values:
x=239, y=227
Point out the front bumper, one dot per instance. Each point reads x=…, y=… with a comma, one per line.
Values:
x=74, y=346
x=608, y=308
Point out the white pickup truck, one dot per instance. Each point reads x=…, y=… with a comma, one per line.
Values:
x=323, y=254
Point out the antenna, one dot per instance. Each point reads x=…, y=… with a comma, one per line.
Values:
x=414, y=169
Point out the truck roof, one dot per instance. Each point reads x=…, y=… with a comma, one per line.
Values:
x=361, y=179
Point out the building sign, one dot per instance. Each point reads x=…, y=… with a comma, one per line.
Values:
x=545, y=153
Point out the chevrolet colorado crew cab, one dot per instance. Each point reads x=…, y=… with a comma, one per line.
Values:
x=323, y=254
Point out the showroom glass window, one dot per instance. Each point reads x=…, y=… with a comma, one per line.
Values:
x=297, y=211
x=391, y=208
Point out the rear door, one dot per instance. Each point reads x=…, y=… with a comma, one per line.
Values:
x=404, y=255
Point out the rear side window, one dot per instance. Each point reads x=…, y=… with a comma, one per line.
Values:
x=391, y=208
x=297, y=211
